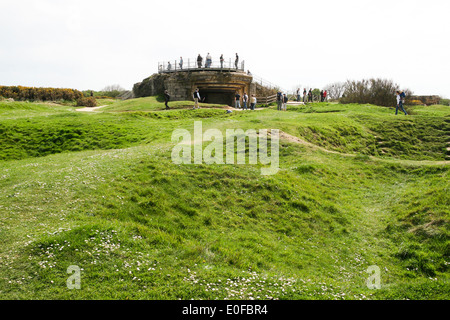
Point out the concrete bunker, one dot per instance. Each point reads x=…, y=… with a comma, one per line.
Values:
x=216, y=85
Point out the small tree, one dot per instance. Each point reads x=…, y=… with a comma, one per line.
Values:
x=316, y=94
x=335, y=90
x=113, y=87
x=112, y=90
x=379, y=92
x=87, y=102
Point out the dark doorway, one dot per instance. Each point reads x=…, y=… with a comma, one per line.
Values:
x=217, y=96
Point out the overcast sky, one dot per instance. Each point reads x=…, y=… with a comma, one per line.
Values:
x=95, y=43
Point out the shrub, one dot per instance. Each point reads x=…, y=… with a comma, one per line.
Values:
x=87, y=102
x=445, y=102
x=20, y=93
x=414, y=102
x=379, y=92
x=102, y=94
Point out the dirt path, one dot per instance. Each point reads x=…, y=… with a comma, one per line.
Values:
x=291, y=138
x=90, y=109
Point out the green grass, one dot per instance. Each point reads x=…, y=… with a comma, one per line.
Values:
x=153, y=104
x=15, y=110
x=99, y=190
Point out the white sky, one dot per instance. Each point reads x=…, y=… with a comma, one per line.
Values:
x=95, y=43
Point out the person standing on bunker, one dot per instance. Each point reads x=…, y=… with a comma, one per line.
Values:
x=236, y=61
x=221, y=61
x=199, y=60
x=208, y=61
x=181, y=63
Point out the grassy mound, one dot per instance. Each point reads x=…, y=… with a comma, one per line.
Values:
x=153, y=104
x=141, y=227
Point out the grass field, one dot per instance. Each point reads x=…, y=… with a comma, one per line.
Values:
x=99, y=190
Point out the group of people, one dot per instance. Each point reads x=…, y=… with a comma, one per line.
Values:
x=282, y=100
x=196, y=96
x=208, y=62
x=237, y=100
x=309, y=96
x=197, y=99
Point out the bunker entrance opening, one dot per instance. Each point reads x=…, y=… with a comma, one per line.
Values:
x=220, y=96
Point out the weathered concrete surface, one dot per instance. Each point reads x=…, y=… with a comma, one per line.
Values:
x=215, y=86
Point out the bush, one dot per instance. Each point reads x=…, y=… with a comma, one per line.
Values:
x=102, y=94
x=20, y=93
x=87, y=102
x=445, y=102
x=380, y=92
x=414, y=102
x=103, y=97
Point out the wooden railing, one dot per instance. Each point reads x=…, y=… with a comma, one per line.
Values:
x=266, y=100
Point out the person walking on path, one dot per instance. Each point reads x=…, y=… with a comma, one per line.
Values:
x=221, y=61
x=304, y=95
x=400, y=103
x=279, y=100
x=285, y=100
x=181, y=63
x=245, y=100
x=298, y=94
x=166, y=99
x=236, y=61
x=196, y=97
x=237, y=99
x=199, y=60
x=310, y=95
x=253, y=102
x=325, y=93
x=321, y=96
